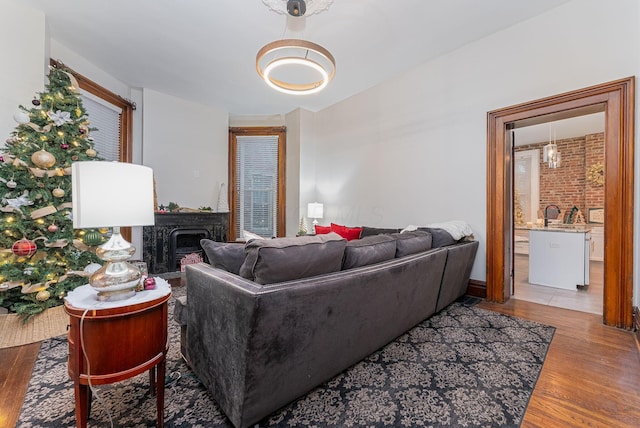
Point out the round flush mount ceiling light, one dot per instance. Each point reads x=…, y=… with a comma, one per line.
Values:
x=296, y=67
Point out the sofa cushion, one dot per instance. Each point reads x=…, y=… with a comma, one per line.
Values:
x=348, y=233
x=276, y=260
x=224, y=255
x=440, y=237
x=370, y=231
x=369, y=250
x=321, y=230
x=412, y=242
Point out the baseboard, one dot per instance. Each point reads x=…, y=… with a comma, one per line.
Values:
x=477, y=288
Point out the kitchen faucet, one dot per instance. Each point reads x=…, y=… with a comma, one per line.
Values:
x=555, y=212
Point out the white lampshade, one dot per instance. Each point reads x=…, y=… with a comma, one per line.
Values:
x=111, y=194
x=314, y=210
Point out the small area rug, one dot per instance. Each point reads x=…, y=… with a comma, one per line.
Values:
x=463, y=367
x=14, y=331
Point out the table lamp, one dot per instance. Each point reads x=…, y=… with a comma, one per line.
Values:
x=314, y=211
x=112, y=194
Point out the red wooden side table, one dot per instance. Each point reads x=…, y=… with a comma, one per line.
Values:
x=118, y=342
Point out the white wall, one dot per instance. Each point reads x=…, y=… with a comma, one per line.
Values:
x=23, y=71
x=413, y=149
x=186, y=144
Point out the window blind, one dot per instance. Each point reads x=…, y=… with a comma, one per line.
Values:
x=257, y=185
x=106, y=118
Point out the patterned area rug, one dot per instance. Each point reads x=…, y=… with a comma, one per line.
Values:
x=463, y=367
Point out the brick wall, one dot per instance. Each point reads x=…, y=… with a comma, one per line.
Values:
x=567, y=186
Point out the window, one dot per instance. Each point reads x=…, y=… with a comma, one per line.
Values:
x=112, y=115
x=527, y=182
x=256, y=174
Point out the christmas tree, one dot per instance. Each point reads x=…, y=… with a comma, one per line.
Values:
x=41, y=256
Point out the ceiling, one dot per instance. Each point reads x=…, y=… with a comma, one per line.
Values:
x=204, y=50
x=578, y=126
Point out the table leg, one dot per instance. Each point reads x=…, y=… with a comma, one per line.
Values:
x=152, y=380
x=160, y=390
x=83, y=403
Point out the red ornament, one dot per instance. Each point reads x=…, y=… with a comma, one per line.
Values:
x=64, y=146
x=24, y=247
x=149, y=283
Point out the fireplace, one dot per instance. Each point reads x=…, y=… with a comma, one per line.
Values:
x=184, y=242
x=176, y=235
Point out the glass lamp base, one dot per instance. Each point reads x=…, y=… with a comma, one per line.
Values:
x=117, y=279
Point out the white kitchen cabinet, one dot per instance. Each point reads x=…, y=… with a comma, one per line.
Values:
x=597, y=243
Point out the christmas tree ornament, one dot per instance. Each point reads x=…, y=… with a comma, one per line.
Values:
x=43, y=159
x=11, y=184
x=82, y=129
x=64, y=146
x=58, y=192
x=21, y=117
x=60, y=117
x=35, y=102
x=24, y=247
x=74, y=158
x=92, y=267
x=91, y=153
x=92, y=238
x=43, y=295
x=52, y=228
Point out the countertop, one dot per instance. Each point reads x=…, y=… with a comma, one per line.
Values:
x=570, y=228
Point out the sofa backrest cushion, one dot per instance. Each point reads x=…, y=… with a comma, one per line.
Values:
x=370, y=231
x=412, y=242
x=440, y=237
x=270, y=261
x=369, y=250
x=228, y=256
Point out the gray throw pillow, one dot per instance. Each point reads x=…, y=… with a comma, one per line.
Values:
x=440, y=237
x=369, y=250
x=371, y=231
x=270, y=261
x=228, y=256
x=412, y=242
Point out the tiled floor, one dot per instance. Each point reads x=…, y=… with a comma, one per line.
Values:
x=588, y=299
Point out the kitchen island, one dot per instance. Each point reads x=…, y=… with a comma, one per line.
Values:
x=559, y=256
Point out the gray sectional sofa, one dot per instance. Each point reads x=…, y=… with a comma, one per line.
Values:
x=294, y=312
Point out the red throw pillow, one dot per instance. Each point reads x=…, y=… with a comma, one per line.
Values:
x=348, y=233
x=321, y=230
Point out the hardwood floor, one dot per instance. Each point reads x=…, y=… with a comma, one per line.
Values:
x=591, y=376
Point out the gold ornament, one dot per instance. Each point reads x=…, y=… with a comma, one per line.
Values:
x=43, y=159
x=78, y=112
x=91, y=153
x=595, y=174
x=58, y=192
x=43, y=295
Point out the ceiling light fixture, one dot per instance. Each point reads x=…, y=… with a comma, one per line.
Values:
x=295, y=66
x=306, y=7
x=550, y=153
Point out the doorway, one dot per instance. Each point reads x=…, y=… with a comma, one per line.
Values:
x=579, y=145
x=617, y=98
